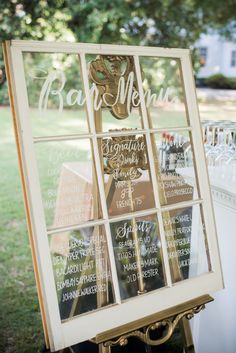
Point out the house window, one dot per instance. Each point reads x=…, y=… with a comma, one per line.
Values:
x=203, y=56
x=233, y=58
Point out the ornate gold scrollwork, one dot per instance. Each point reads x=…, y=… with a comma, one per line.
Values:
x=107, y=72
x=169, y=325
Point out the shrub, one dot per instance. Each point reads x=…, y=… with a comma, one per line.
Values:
x=4, y=100
x=220, y=81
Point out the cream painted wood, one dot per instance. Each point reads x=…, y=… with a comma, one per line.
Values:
x=82, y=48
x=86, y=326
x=107, y=134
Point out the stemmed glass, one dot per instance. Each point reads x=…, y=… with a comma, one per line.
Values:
x=220, y=147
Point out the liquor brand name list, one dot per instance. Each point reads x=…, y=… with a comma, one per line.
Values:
x=146, y=247
x=75, y=275
x=178, y=230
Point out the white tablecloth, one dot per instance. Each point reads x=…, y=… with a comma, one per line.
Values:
x=214, y=329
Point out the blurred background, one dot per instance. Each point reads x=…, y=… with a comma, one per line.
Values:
x=206, y=27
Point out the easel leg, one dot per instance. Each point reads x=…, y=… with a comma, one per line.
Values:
x=187, y=335
x=103, y=349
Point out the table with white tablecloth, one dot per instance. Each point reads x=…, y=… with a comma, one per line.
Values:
x=214, y=329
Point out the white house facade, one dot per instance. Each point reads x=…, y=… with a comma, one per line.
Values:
x=217, y=55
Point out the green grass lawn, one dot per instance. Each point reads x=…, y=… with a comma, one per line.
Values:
x=20, y=322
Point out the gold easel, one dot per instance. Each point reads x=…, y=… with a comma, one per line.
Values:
x=168, y=319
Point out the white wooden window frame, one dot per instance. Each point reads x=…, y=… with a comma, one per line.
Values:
x=203, y=51
x=80, y=328
x=233, y=58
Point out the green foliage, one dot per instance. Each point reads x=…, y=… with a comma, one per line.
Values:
x=166, y=23
x=220, y=81
x=4, y=100
x=232, y=82
x=29, y=19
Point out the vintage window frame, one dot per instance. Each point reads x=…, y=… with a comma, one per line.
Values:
x=60, y=334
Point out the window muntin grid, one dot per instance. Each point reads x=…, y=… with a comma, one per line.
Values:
x=95, y=134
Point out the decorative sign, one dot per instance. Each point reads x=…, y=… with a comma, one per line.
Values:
x=124, y=156
x=115, y=185
x=112, y=76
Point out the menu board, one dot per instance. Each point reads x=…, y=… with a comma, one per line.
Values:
x=117, y=199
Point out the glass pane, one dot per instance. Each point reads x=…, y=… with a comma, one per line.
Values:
x=174, y=162
x=81, y=270
x=55, y=94
x=138, y=255
x=68, y=182
x=186, y=242
x=128, y=185
x=164, y=92
x=114, y=94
